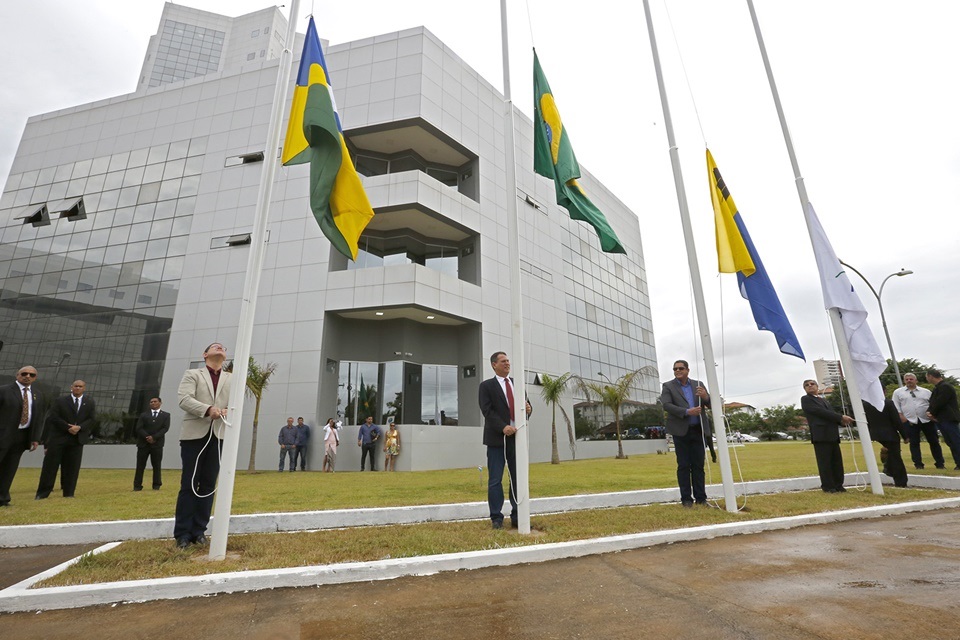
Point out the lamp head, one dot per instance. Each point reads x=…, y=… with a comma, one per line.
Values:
x=903, y=272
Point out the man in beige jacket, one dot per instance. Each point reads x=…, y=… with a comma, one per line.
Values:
x=203, y=394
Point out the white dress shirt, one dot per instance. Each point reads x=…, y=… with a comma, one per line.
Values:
x=912, y=404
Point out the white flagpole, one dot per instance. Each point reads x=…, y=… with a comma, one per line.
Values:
x=248, y=305
x=710, y=364
x=521, y=482
x=845, y=360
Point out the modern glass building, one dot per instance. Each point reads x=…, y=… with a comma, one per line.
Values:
x=126, y=226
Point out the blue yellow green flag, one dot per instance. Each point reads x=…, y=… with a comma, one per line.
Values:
x=736, y=254
x=314, y=135
x=553, y=158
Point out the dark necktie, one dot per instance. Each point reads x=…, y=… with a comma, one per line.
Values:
x=25, y=411
x=76, y=405
x=154, y=415
x=510, y=398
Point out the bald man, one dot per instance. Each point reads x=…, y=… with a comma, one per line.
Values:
x=21, y=417
x=68, y=427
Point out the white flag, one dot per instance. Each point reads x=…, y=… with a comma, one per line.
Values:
x=868, y=362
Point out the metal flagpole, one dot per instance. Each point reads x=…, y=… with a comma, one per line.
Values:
x=835, y=320
x=710, y=364
x=248, y=304
x=521, y=482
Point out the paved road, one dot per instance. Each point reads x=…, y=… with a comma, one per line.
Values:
x=882, y=578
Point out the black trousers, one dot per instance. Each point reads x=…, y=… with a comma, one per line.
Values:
x=929, y=431
x=155, y=453
x=66, y=459
x=370, y=448
x=10, y=453
x=201, y=465
x=829, y=464
x=895, y=467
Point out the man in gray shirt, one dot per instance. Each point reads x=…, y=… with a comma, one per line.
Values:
x=912, y=403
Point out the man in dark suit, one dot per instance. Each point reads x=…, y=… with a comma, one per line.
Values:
x=68, y=427
x=886, y=428
x=944, y=410
x=151, y=427
x=685, y=401
x=21, y=409
x=499, y=436
x=824, y=425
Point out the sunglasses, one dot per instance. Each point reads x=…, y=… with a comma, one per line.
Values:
x=679, y=368
x=913, y=395
x=29, y=375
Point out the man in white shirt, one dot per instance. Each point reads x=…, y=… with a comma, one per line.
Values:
x=912, y=402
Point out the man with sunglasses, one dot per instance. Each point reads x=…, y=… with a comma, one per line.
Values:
x=912, y=402
x=21, y=418
x=685, y=402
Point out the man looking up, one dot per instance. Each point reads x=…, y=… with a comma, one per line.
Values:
x=824, y=425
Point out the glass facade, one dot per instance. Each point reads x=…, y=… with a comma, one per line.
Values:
x=410, y=393
x=186, y=51
x=608, y=312
x=385, y=252
x=93, y=297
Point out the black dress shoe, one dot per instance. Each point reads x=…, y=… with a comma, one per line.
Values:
x=687, y=505
x=201, y=540
x=918, y=466
x=156, y=488
x=498, y=524
x=941, y=466
x=183, y=543
x=514, y=524
x=138, y=488
x=41, y=496
x=841, y=489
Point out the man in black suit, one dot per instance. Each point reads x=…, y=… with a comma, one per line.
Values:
x=824, y=425
x=499, y=436
x=68, y=427
x=684, y=400
x=886, y=428
x=21, y=409
x=944, y=410
x=151, y=427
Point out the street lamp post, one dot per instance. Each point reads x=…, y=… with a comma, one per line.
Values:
x=883, y=318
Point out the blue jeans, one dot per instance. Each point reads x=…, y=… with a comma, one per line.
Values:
x=495, y=466
x=690, y=459
x=288, y=451
x=951, y=435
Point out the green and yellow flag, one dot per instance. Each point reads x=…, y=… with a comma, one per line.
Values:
x=553, y=158
x=314, y=135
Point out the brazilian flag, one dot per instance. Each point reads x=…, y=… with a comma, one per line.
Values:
x=314, y=135
x=553, y=158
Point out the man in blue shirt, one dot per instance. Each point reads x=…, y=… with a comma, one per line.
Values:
x=366, y=440
x=303, y=439
x=684, y=400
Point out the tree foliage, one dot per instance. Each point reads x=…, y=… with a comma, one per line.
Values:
x=613, y=395
x=258, y=379
x=552, y=389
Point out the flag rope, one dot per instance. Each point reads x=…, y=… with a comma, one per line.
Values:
x=683, y=67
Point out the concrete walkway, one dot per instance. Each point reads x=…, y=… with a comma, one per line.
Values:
x=866, y=579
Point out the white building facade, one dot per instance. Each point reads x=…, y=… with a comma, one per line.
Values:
x=126, y=227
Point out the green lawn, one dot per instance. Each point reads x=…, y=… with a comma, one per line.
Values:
x=104, y=494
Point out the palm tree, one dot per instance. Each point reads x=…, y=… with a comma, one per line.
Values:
x=551, y=390
x=257, y=380
x=613, y=396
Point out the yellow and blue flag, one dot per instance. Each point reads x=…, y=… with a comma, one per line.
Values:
x=553, y=158
x=736, y=254
x=314, y=135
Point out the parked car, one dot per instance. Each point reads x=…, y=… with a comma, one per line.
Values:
x=784, y=436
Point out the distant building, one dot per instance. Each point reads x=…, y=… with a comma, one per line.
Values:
x=739, y=407
x=827, y=372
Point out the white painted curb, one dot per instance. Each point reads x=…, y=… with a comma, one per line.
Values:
x=20, y=598
x=97, y=532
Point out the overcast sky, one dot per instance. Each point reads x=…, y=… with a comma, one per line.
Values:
x=870, y=93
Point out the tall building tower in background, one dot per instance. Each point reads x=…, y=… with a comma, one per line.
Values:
x=125, y=244
x=827, y=372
